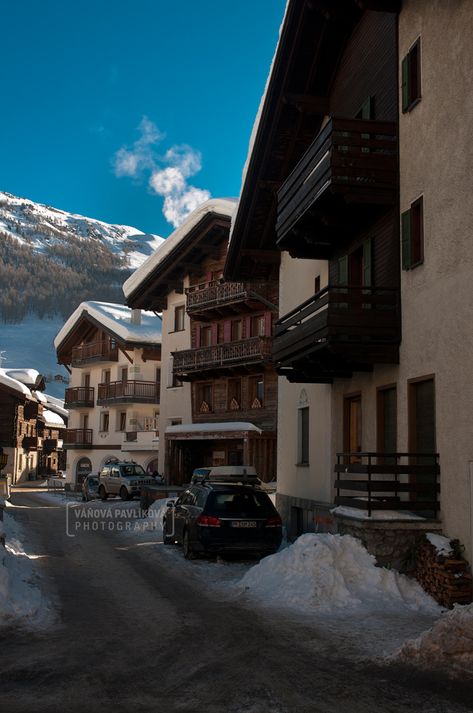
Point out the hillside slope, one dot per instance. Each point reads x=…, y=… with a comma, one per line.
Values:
x=51, y=260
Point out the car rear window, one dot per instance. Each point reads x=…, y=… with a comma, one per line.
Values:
x=239, y=504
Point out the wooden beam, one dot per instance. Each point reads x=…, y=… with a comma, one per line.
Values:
x=126, y=354
x=307, y=104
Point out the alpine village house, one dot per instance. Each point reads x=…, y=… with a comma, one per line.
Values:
x=32, y=427
x=114, y=356
x=219, y=388
x=358, y=182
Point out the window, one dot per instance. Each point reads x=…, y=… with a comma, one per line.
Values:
x=234, y=395
x=204, y=397
x=412, y=226
x=106, y=376
x=122, y=421
x=104, y=422
x=258, y=326
x=316, y=284
x=206, y=336
x=124, y=374
x=173, y=380
x=352, y=435
x=86, y=380
x=411, y=91
x=256, y=392
x=237, y=330
x=387, y=420
x=303, y=436
x=176, y=381
x=179, y=313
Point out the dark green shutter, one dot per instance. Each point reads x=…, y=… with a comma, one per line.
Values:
x=343, y=270
x=367, y=263
x=406, y=240
x=405, y=83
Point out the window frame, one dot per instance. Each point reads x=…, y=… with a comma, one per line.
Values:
x=412, y=235
x=179, y=318
x=411, y=92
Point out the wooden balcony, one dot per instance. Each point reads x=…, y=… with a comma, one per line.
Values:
x=80, y=397
x=51, y=444
x=389, y=481
x=31, y=443
x=229, y=356
x=121, y=392
x=348, y=173
x=340, y=330
x=213, y=300
x=105, y=350
x=78, y=438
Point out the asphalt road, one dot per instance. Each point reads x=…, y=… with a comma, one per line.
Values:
x=134, y=634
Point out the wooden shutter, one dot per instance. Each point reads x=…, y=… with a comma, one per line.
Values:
x=247, y=324
x=267, y=324
x=227, y=331
x=406, y=240
x=197, y=336
x=367, y=263
x=405, y=83
x=343, y=270
x=214, y=334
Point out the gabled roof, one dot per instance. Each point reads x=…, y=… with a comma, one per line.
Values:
x=313, y=37
x=163, y=271
x=116, y=320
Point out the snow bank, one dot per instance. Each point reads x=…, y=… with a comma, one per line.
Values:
x=156, y=513
x=330, y=573
x=447, y=646
x=441, y=544
x=21, y=600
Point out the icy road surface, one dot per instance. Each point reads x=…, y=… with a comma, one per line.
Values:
x=139, y=628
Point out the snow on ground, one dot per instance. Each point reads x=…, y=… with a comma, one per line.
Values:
x=21, y=600
x=329, y=573
x=447, y=646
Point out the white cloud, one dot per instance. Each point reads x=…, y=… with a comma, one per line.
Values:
x=178, y=206
x=169, y=180
x=168, y=173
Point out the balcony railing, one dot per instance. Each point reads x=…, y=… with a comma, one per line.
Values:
x=216, y=295
x=105, y=350
x=31, y=443
x=78, y=438
x=389, y=481
x=80, y=396
x=341, y=328
x=356, y=159
x=254, y=350
x=128, y=392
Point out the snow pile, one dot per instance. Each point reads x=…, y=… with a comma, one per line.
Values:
x=20, y=597
x=441, y=544
x=156, y=513
x=447, y=646
x=329, y=573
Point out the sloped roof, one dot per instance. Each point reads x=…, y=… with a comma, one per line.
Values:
x=117, y=320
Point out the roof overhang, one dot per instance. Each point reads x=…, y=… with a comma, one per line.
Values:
x=296, y=100
x=211, y=431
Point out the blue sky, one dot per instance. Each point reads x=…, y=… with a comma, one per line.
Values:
x=118, y=110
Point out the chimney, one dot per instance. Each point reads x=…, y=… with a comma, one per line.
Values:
x=135, y=316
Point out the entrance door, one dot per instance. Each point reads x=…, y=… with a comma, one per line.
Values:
x=422, y=440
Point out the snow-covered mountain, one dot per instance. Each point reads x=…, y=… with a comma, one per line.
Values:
x=50, y=261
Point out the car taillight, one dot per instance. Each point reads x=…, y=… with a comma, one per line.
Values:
x=274, y=521
x=208, y=521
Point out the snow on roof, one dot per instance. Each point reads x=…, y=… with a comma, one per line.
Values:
x=14, y=383
x=53, y=419
x=213, y=427
x=332, y=574
x=116, y=318
x=221, y=206
x=56, y=405
x=29, y=377
x=259, y=113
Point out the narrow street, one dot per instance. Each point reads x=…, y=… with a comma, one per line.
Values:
x=134, y=634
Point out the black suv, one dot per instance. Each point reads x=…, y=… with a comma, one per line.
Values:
x=213, y=517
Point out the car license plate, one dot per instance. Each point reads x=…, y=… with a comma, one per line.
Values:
x=244, y=523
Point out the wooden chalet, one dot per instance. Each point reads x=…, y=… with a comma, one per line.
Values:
x=228, y=363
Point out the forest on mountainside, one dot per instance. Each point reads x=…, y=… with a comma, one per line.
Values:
x=56, y=279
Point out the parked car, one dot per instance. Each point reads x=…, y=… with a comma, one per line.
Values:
x=223, y=513
x=123, y=478
x=90, y=488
